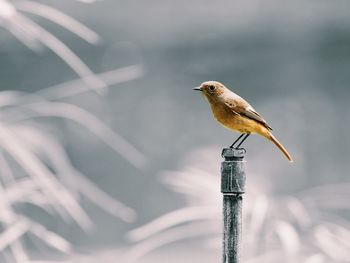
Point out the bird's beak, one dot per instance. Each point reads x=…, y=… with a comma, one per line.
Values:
x=198, y=88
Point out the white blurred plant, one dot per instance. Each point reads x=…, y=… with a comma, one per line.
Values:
x=34, y=167
x=300, y=228
x=13, y=18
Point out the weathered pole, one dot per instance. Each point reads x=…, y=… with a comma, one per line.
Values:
x=233, y=187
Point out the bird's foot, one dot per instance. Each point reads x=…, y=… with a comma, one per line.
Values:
x=233, y=152
x=240, y=150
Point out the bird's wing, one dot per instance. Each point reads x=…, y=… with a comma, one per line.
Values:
x=243, y=108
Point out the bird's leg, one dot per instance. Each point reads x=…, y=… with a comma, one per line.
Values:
x=245, y=137
x=233, y=144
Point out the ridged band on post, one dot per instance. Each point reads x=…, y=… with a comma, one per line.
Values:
x=232, y=186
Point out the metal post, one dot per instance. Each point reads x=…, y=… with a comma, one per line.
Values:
x=232, y=187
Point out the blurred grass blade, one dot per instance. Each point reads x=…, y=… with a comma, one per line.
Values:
x=12, y=233
x=70, y=88
x=318, y=258
x=21, y=32
x=84, y=118
x=7, y=175
x=299, y=212
x=169, y=236
x=19, y=252
x=258, y=215
x=268, y=257
x=66, y=54
x=7, y=10
x=171, y=219
x=76, y=87
x=333, y=241
x=59, y=18
x=288, y=236
x=103, y=200
x=43, y=177
x=50, y=238
x=49, y=147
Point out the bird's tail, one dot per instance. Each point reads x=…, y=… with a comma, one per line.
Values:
x=280, y=146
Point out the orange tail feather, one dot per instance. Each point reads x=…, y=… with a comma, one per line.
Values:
x=280, y=146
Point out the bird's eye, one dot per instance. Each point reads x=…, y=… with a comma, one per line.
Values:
x=212, y=88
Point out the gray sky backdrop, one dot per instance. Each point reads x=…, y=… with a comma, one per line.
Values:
x=289, y=59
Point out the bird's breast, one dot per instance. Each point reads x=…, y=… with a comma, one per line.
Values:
x=225, y=116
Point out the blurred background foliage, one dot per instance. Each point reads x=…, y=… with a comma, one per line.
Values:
x=97, y=101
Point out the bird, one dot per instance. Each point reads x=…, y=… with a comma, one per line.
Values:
x=236, y=114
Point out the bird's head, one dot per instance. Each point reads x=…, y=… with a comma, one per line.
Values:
x=211, y=89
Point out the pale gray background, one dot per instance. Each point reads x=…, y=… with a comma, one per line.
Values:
x=289, y=59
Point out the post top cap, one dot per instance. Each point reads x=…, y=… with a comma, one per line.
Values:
x=232, y=153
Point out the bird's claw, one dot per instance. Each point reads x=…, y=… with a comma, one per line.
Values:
x=238, y=149
x=233, y=152
x=241, y=150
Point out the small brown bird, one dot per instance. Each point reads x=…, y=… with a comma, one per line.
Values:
x=234, y=113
